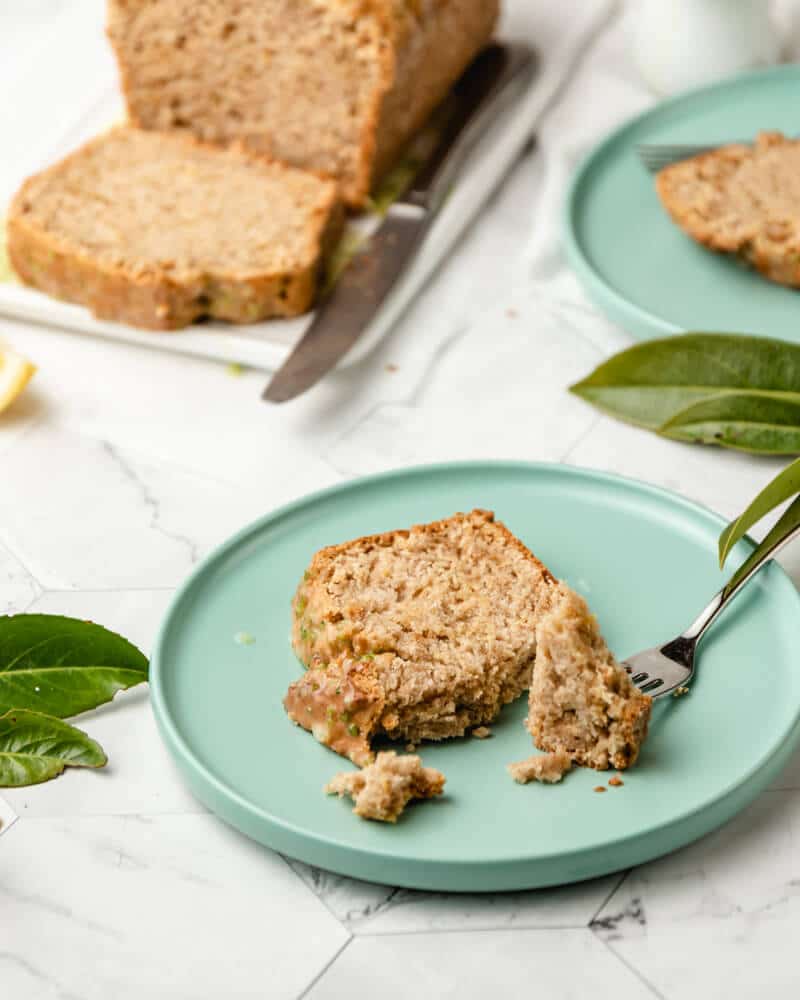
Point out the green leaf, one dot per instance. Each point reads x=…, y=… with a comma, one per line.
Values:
x=63, y=666
x=787, y=523
x=768, y=425
x=785, y=485
x=650, y=383
x=36, y=747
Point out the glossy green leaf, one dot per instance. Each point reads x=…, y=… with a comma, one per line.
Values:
x=764, y=424
x=36, y=748
x=789, y=521
x=63, y=666
x=785, y=485
x=650, y=383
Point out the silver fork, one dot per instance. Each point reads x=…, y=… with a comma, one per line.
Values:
x=665, y=670
x=655, y=156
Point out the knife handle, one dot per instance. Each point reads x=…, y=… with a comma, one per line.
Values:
x=492, y=82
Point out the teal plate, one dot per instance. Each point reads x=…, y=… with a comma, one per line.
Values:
x=646, y=560
x=636, y=265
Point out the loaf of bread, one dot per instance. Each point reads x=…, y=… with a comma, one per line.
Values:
x=158, y=230
x=742, y=200
x=337, y=86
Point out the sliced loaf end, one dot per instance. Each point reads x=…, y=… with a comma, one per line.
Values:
x=158, y=230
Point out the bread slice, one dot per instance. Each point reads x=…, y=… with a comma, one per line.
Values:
x=415, y=635
x=742, y=200
x=158, y=230
x=331, y=85
x=582, y=701
x=383, y=789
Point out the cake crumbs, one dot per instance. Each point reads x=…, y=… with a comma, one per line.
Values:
x=482, y=733
x=680, y=691
x=548, y=768
x=600, y=788
x=391, y=368
x=616, y=781
x=383, y=789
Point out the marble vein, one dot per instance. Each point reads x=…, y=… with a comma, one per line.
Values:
x=150, y=501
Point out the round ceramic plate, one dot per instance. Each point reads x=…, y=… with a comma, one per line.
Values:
x=634, y=262
x=644, y=558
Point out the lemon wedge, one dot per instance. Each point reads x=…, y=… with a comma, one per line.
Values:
x=15, y=373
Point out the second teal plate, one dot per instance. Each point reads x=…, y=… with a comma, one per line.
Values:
x=645, y=559
x=634, y=262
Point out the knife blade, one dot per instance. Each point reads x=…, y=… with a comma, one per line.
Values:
x=492, y=81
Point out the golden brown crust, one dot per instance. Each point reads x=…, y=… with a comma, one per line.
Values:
x=386, y=538
x=425, y=69
x=151, y=298
x=741, y=200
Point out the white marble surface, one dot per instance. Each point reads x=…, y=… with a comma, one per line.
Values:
x=121, y=468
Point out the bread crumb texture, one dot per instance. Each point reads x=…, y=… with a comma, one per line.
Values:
x=582, y=701
x=337, y=86
x=743, y=200
x=157, y=230
x=415, y=635
x=548, y=768
x=383, y=789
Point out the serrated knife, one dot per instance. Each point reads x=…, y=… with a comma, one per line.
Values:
x=492, y=82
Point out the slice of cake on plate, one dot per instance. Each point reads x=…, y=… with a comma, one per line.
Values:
x=415, y=635
x=742, y=200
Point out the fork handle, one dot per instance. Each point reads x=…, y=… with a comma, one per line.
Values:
x=785, y=531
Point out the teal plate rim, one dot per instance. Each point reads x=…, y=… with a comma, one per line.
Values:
x=631, y=317
x=412, y=870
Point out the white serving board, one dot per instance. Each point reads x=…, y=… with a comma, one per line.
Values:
x=67, y=91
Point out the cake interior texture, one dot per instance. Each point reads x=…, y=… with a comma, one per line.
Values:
x=582, y=701
x=383, y=789
x=424, y=633
x=142, y=200
x=332, y=85
x=548, y=768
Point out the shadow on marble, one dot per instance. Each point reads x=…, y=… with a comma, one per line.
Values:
x=366, y=908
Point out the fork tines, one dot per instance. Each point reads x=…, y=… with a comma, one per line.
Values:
x=656, y=156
